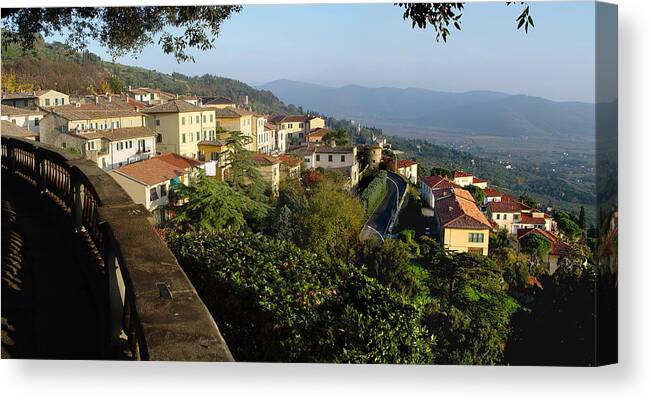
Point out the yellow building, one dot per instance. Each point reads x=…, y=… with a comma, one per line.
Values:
x=297, y=127
x=238, y=120
x=40, y=98
x=460, y=226
x=70, y=118
x=218, y=102
x=216, y=150
x=180, y=126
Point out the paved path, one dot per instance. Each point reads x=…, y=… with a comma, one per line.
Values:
x=47, y=308
x=380, y=219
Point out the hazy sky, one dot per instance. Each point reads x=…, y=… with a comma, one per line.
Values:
x=372, y=45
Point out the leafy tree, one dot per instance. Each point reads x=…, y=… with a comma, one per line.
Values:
x=312, y=178
x=470, y=313
x=331, y=222
x=244, y=173
x=341, y=137
x=11, y=85
x=121, y=29
x=567, y=223
x=105, y=87
x=441, y=172
x=476, y=192
x=499, y=240
x=274, y=301
x=211, y=205
x=440, y=17
x=375, y=192
x=536, y=245
x=528, y=200
x=117, y=85
x=388, y=262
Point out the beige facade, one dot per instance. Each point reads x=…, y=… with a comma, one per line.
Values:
x=238, y=120
x=466, y=240
x=180, y=126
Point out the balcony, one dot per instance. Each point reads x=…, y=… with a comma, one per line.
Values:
x=85, y=275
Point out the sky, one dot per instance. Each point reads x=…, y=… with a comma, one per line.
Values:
x=371, y=45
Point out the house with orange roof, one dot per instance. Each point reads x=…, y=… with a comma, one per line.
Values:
x=408, y=169
x=316, y=135
x=149, y=182
x=464, y=179
x=431, y=187
x=492, y=195
x=459, y=224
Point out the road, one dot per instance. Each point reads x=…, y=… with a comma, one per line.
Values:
x=378, y=223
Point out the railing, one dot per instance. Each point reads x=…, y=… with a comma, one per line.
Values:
x=149, y=299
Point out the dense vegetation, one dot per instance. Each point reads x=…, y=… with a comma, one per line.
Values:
x=374, y=193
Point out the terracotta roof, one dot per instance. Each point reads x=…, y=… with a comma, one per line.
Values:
x=25, y=95
x=117, y=133
x=207, y=100
x=334, y=150
x=10, y=129
x=492, y=192
x=296, y=118
x=405, y=163
x=438, y=182
x=276, y=118
x=458, y=211
x=318, y=133
x=529, y=220
x=461, y=174
x=289, y=160
x=10, y=110
x=213, y=142
x=264, y=160
x=226, y=113
x=269, y=127
x=557, y=246
x=144, y=90
x=508, y=197
x=504, y=206
x=477, y=180
x=173, y=106
x=241, y=112
x=159, y=168
x=74, y=113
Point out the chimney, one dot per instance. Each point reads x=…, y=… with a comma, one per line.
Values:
x=96, y=99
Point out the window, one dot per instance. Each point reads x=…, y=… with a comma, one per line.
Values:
x=158, y=122
x=210, y=117
x=300, y=125
x=497, y=216
x=329, y=157
x=343, y=158
x=56, y=101
x=204, y=119
x=37, y=121
x=159, y=138
x=291, y=126
x=63, y=101
x=163, y=190
x=130, y=143
x=318, y=157
x=182, y=120
x=476, y=237
x=183, y=138
x=47, y=102
x=196, y=119
x=198, y=136
x=307, y=159
x=153, y=194
x=13, y=121
x=214, y=156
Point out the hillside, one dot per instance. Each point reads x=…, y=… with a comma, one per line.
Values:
x=55, y=65
x=477, y=112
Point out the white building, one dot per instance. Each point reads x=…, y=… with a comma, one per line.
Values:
x=343, y=158
x=408, y=169
x=431, y=188
x=23, y=117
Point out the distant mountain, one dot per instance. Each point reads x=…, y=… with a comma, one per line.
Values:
x=480, y=112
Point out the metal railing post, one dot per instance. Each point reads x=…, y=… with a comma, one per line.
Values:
x=76, y=207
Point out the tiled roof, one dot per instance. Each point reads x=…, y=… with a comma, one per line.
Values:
x=274, y=119
x=461, y=174
x=173, y=106
x=504, y=206
x=334, y=150
x=242, y=112
x=477, y=180
x=264, y=160
x=213, y=142
x=289, y=160
x=557, y=246
x=405, y=163
x=25, y=95
x=438, y=182
x=269, y=127
x=529, y=220
x=296, y=118
x=318, y=132
x=492, y=192
x=117, y=133
x=74, y=113
x=10, y=110
x=216, y=100
x=10, y=129
x=159, y=168
x=458, y=211
x=226, y=113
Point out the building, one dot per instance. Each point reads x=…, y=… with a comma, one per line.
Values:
x=65, y=119
x=290, y=167
x=492, y=195
x=149, y=182
x=316, y=135
x=374, y=156
x=557, y=250
x=33, y=100
x=23, y=117
x=264, y=137
x=459, y=224
x=12, y=130
x=279, y=138
x=342, y=158
x=218, y=151
x=464, y=179
x=408, y=169
x=180, y=126
x=480, y=183
x=513, y=215
x=145, y=95
x=431, y=188
x=218, y=102
x=237, y=120
x=269, y=168
x=298, y=126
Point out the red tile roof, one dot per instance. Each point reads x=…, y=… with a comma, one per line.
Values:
x=438, y=182
x=504, y=206
x=557, y=246
x=461, y=174
x=458, y=211
x=159, y=168
x=264, y=160
x=529, y=220
x=477, y=180
x=289, y=160
x=405, y=163
x=492, y=192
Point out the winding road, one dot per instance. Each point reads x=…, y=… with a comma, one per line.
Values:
x=379, y=221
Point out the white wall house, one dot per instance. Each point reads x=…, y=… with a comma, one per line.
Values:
x=23, y=117
x=343, y=158
x=408, y=169
x=430, y=186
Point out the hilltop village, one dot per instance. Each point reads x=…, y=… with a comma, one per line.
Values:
x=151, y=141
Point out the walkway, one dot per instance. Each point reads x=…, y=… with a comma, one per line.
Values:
x=47, y=307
